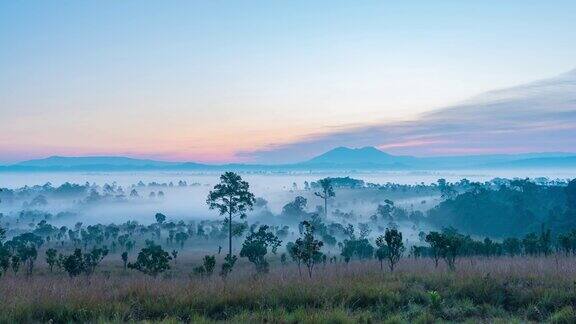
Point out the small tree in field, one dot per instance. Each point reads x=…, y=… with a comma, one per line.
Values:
x=256, y=247
x=73, y=264
x=152, y=260
x=326, y=193
x=86, y=263
x=51, y=258
x=228, y=265
x=231, y=197
x=4, y=260
x=207, y=267
x=381, y=250
x=307, y=249
x=454, y=243
x=125, y=259
x=4, y=253
x=209, y=264
x=437, y=245
x=391, y=247
x=93, y=258
x=28, y=255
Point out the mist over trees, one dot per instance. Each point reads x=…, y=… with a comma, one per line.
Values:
x=329, y=226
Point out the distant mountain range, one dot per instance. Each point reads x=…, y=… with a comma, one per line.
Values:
x=341, y=158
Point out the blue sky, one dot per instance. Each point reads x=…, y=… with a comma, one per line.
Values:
x=219, y=81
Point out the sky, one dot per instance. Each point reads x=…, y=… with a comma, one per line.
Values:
x=281, y=81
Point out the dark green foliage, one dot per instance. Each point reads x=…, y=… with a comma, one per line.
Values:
x=125, y=259
x=151, y=260
x=25, y=246
x=181, y=238
x=512, y=246
x=342, y=182
x=4, y=260
x=447, y=245
x=15, y=262
x=356, y=248
x=390, y=247
x=306, y=249
x=160, y=218
x=327, y=191
x=5, y=254
x=207, y=267
x=295, y=209
x=74, y=263
x=515, y=209
x=570, y=192
x=447, y=190
x=209, y=264
x=256, y=246
x=78, y=262
x=531, y=244
x=384, y=211
x=567, y=242
x=228, y=265
x=231, y=197
x=93, y=258
x=51, y=258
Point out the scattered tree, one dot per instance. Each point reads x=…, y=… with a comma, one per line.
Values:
x=306, y=249
x=391, y=247
x=256, y=246
x=326, y=193
x=231, y=197
x=151, y=260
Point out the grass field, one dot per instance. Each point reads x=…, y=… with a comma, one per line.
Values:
x=480, y=290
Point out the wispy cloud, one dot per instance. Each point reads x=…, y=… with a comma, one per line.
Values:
x=536, y=117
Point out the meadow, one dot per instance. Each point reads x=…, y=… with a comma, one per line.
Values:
x=490, y=290
x=498, y=251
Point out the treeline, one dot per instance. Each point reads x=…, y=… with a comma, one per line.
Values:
x=513, y=208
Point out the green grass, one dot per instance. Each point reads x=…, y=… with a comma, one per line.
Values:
x=488, y=290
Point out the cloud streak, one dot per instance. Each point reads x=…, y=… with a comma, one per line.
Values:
x=535, y=117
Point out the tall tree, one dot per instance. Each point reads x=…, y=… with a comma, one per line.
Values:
x=231, y=197
x=326, y=193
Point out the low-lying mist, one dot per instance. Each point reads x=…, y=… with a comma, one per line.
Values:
x=383, y=199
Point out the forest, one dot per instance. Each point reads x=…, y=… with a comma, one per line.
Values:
x=337, y=250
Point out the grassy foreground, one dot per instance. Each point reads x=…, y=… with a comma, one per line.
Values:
x=480, y=290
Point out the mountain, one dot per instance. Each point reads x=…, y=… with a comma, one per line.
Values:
x=341, y=158
x=366, y=156
x=372, y=158
x=73, y=162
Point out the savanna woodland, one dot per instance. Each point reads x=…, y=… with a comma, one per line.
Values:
x=340, y=250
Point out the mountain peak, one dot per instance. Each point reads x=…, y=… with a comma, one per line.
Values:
x=363, y=155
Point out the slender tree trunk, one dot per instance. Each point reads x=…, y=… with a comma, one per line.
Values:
x=230, y=235
x=325, y=206
x=299, y=270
